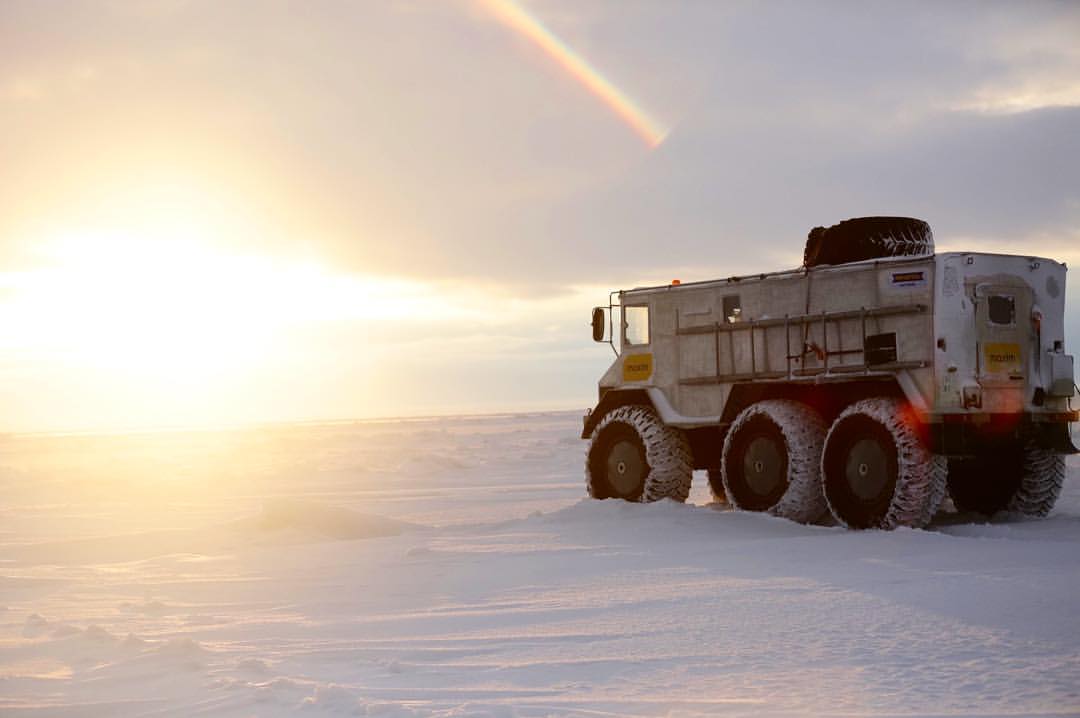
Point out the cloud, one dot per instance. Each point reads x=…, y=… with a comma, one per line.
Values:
x=423, y=141
x=792, y=116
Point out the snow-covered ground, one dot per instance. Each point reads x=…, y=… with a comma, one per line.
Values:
x=451, y=567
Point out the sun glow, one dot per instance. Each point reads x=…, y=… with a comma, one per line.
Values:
x=178, y=303
x=126, y=300
x=172, y=324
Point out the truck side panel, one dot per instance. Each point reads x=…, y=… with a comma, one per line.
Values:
x=706, y=339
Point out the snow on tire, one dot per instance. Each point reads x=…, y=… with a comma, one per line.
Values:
x=876, y=471
x=771, y=460
x=1042, y=477
x=939, y=488
x=635, y=456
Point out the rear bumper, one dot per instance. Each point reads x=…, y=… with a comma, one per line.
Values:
x=980, y=418
x=969, y=433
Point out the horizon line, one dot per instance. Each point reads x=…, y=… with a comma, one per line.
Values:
x=247, y=426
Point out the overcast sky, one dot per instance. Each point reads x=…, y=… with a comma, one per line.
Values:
x=429, y=144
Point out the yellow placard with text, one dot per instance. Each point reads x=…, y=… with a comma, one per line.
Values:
x=637, y=367
x=1002, y=357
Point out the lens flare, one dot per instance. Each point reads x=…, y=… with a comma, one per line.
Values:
x=517, y=18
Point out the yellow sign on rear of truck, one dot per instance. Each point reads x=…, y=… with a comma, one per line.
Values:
x=637, y=367
x=1002, y=358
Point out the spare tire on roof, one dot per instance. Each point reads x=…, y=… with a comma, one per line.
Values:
x=854, y=240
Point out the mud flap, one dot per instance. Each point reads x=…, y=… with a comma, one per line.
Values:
x=1057, y=438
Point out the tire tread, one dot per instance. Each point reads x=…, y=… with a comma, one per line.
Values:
x=803, y=430
x=667, y=452
x=921, y=475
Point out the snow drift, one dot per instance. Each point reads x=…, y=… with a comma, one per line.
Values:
x=317, y=573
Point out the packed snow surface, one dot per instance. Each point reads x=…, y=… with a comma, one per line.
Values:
x=453, y=567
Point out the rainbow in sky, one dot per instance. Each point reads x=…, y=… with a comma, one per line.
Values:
x=516, y=17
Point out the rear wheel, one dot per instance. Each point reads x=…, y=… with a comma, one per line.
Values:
x=985, y=484
x=636, y=457
x=876, y=472
x=1024, y=480
x=1040, y=483
x=771, y=460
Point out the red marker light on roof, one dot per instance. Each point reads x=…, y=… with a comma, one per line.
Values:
x=675, y=282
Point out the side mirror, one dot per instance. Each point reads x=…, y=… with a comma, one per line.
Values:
x=599, y=324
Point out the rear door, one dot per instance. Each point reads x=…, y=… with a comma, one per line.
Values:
x=1005, y=337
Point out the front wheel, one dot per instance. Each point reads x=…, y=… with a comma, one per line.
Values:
x=634, y=456
x=876, y=471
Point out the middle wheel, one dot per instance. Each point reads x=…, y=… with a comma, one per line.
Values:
x=771, y=460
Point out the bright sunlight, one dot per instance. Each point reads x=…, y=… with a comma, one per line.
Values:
x=173, y=314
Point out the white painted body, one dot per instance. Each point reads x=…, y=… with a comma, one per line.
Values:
x=945, y=343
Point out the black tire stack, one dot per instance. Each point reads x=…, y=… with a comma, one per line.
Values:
x=861, y=238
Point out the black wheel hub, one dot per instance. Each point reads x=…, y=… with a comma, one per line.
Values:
x=867, y=469
x=757, y=465
x=625, y=467
x=617, y=463
x=763, y=466
x=860, y=471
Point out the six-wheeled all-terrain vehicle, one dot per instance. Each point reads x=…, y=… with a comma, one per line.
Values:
x=866, y=384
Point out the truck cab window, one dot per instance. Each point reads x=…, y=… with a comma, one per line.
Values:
x=732, y=310
x=1001, y=309
x=636, y=325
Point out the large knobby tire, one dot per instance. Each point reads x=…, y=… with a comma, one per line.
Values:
x=876, y=471
x=1020, y=479
x=772, y=458
x=1040, y=485
x=716, y=485
x=636, y=457
x=862, y=238
x=984, y=484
